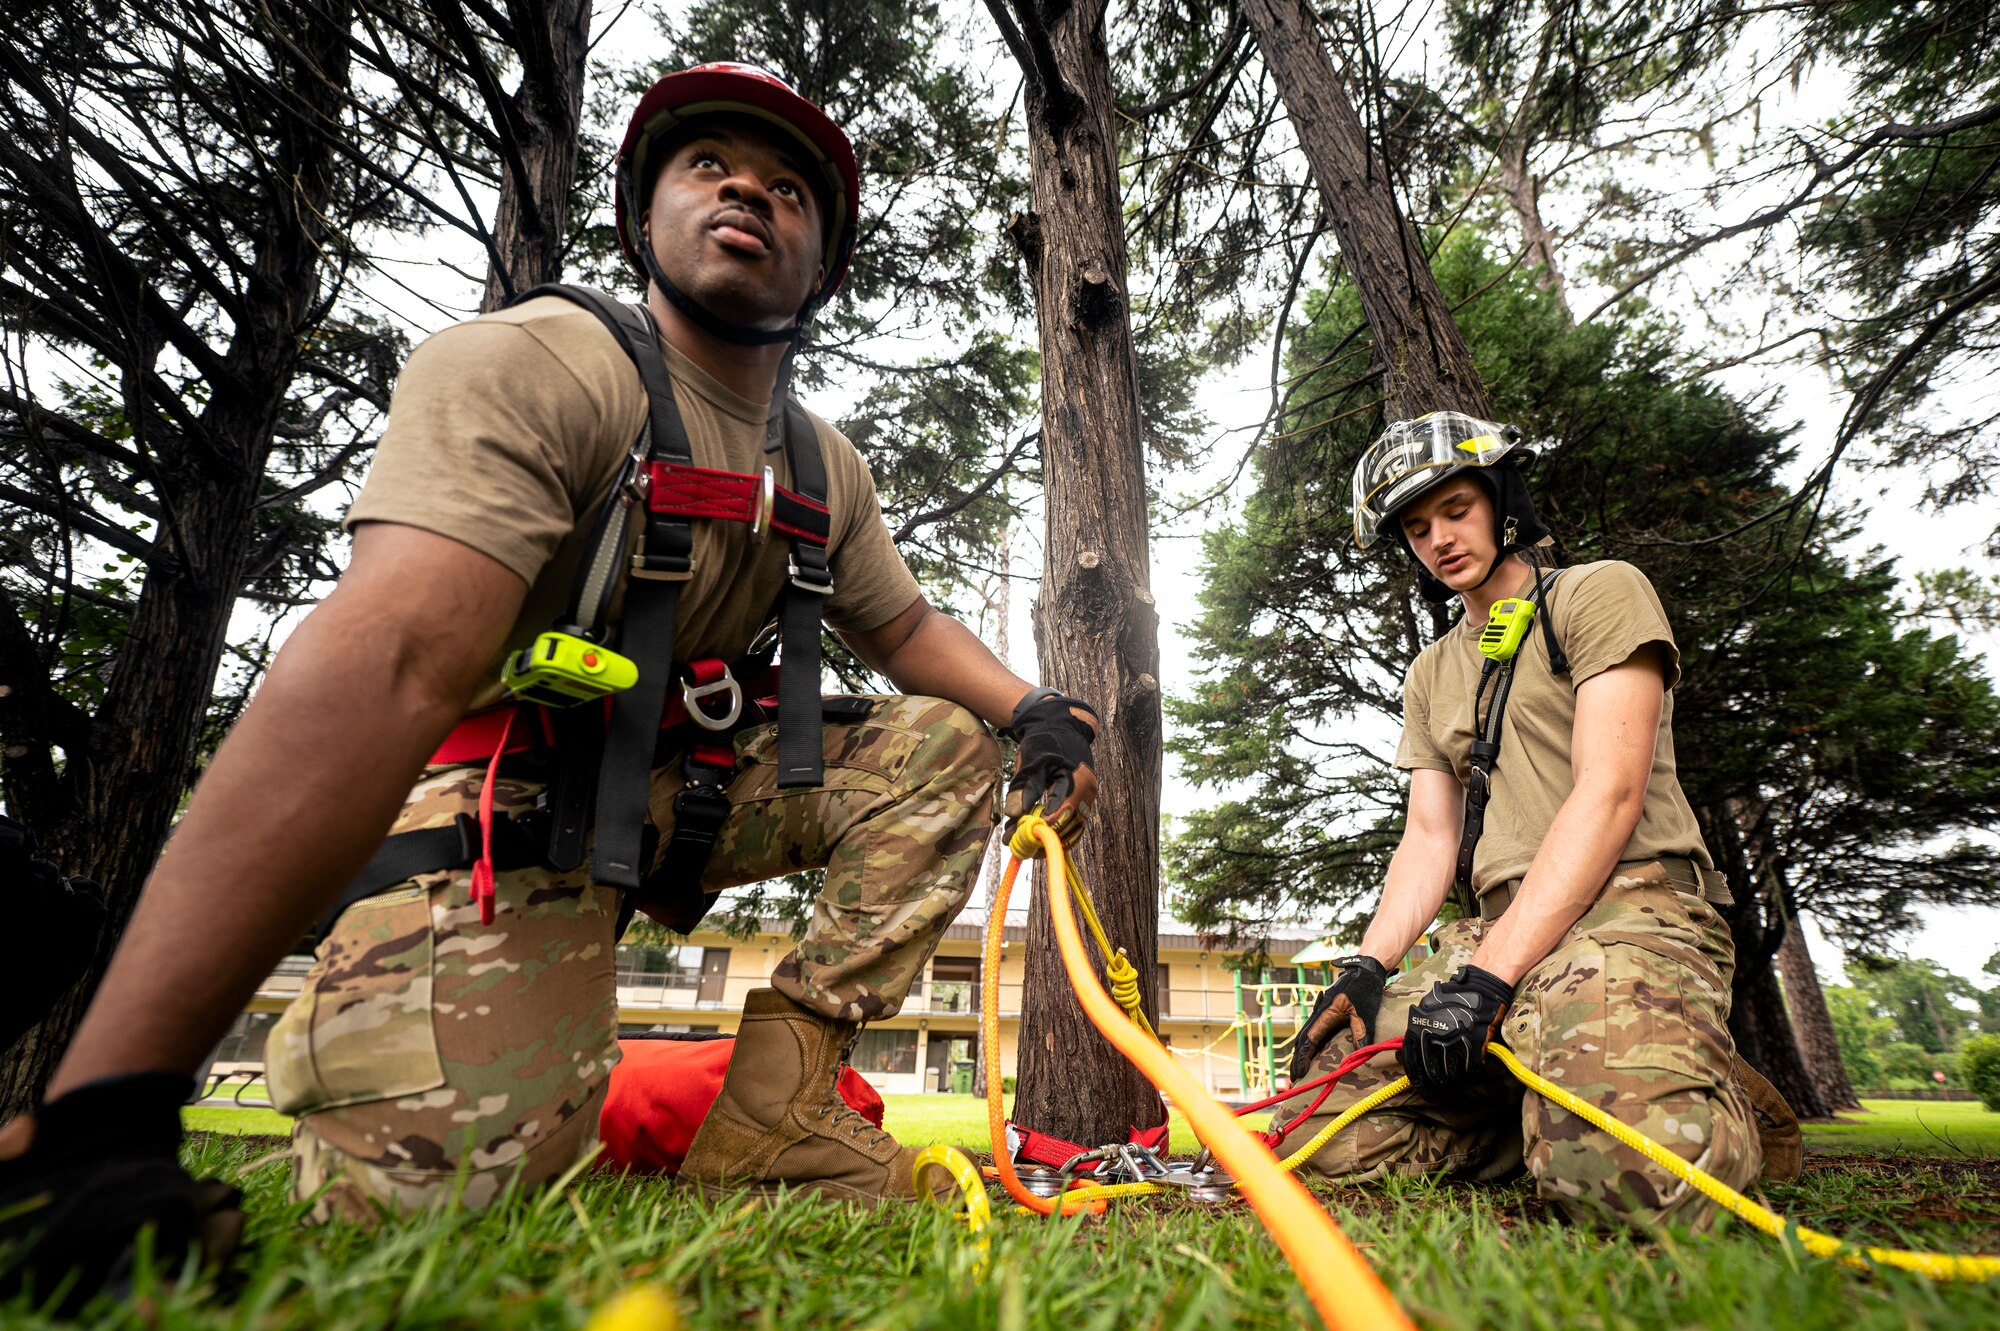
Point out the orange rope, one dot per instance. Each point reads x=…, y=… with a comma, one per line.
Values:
x=989, y=1046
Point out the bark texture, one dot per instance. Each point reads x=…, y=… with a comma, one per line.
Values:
x=1522, y=189
x=539, y=127
x=1425, y=363
x=1096, y=627
x=131, y=759
x=1758, y=1021
x=1812, y=1024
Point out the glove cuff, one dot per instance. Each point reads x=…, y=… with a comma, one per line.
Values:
x=1039, y=699
x=141, y=1111
x=1486, y=982
x=1363, y=963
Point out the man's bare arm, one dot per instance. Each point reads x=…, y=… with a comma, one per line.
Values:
x=1420, y=872
x=1611, y=757
x=925, y=652
x=299, y=795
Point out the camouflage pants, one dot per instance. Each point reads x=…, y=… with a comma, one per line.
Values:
x=1630, y=1013
x=429, y=1056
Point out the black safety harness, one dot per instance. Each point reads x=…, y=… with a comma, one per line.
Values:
x=1486, y=733
x=605, y=752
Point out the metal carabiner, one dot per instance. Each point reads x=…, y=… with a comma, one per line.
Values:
x=692, y=695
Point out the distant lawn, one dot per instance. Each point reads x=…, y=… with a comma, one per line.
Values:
x=1912, y=1127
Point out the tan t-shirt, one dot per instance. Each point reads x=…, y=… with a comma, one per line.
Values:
x=506, y=433
x=1602, y=614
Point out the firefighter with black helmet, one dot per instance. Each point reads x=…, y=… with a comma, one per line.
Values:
x=1538, y=734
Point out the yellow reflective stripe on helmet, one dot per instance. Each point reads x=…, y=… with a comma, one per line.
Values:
x=1479, y=444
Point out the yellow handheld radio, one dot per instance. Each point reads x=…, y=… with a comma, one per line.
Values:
x=561, y=670
x=1505, y=627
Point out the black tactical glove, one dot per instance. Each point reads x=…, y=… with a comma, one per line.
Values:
x=1054, y=744
x=1350, y=1002
x=1449, y=1028
x=102, y=1165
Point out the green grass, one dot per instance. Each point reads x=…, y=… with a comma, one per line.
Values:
x=1459, y=1257
x=1918, y=1127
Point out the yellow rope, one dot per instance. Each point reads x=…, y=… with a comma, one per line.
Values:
x=1938, y=1266
x=1125, y=990
x=1291, y=1163
x=1118, y=968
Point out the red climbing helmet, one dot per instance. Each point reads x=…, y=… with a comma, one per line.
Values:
x=728, y=88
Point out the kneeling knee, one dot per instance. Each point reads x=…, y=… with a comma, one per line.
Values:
x=1598, y=1180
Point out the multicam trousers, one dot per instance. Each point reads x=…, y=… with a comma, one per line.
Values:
x=428, y=1055
x=1629, y=1012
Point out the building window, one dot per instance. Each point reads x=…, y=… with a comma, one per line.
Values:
x=1162, y=988
x=885, y=1051
x=659, y=967
x=955, y=984
x=245, y=1041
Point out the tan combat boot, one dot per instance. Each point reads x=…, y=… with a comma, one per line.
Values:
x=1777, y=1125
x=779, y=1123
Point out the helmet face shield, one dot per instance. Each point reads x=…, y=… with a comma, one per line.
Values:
x=1415, y=456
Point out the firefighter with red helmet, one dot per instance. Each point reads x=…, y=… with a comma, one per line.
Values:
x=542, y=696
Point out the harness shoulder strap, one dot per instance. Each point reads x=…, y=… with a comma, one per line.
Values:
x=801, y=763
x=1486, y=737
x=658, y=571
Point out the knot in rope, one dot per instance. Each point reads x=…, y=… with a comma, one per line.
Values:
x=1124, y=977
x=1022, y=844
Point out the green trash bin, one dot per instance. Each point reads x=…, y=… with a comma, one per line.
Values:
x=961, y=1077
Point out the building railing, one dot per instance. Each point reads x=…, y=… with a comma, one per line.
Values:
x=948, y=998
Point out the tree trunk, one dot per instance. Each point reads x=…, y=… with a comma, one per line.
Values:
x=1426, y=364
x=531, y=224
x=1096, y=628
x=1811, y=1023
x=1763, y=1035
x=143, y=737
x=1523, y=191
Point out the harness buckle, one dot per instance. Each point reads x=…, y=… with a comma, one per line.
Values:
x=763, y=505
x=662, y=568
x=692, y=695
x=814, y=581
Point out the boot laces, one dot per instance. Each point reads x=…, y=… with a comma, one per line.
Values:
x=843, y=1117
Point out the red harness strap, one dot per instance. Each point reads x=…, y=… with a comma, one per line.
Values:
x=702, y=492
x=1041, y=1148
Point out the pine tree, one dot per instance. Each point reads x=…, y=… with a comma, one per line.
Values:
x=1827, y=748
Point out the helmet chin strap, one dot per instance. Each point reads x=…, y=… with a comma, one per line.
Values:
x=1508, y=544
x=741, y=335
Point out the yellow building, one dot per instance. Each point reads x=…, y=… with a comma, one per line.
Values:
x=699, y=986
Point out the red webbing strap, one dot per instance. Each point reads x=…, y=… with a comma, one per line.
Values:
x=482, y=868
x=703, y=492
x=1042, y=1148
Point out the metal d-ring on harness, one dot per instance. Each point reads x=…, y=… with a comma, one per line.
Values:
x=1486, y=737
x=607, y=751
